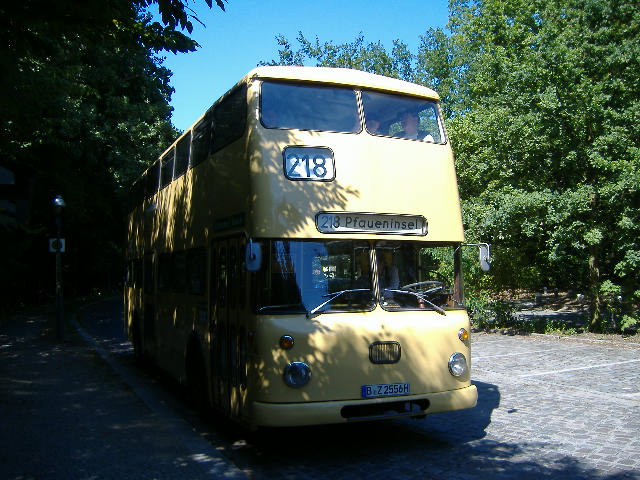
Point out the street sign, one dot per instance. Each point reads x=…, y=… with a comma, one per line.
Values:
x=56, y=245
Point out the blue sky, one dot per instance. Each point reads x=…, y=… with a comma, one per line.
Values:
x=235, y=41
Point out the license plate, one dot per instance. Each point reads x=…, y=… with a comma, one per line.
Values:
x=385, y=390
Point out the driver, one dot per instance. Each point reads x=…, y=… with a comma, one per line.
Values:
x=387, y=272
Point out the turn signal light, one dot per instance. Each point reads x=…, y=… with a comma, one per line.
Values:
x=286, y=342
x=463, y=334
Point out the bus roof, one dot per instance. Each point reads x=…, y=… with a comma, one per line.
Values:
x=341, y=76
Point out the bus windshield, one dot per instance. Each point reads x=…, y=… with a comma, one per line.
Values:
x=402, y=117
x=316, y=277
x=413, y=276
x=309, y=107
x=335, y=109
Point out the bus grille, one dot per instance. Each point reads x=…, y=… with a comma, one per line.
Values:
x=384, y=352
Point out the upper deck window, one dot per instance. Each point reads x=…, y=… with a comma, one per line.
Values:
x=166, y=169
x=309, y=107
x=152, y=179
x=402, y=117
x=201, y=140
x=229, y=118
x=182, y=155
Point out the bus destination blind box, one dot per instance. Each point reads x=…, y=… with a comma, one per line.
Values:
x=377, y=223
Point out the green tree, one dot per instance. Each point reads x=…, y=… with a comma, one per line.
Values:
x=545, y=140
x=84, y=109
x=541, y=101
x=369, y=57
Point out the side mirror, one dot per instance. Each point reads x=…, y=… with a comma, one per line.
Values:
x=253, y=256
x=484, y=256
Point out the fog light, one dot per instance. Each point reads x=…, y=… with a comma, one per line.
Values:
x=458, y=365
x=297, y=374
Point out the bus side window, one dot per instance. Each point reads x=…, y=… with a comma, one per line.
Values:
x=179, y=272
x=152, y=180
x=148, y=274
x=230, y=118
x=164, y=272
x=201, y=141
x=166, y=169
x=182, y=155
x=196, y=271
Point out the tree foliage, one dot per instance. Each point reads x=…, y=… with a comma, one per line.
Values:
x=84, y=109
x=546, y=137
x=369, y=57
x=542, y=106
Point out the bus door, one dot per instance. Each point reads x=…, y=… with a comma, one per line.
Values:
x=228, y=298
x=219, y=325
x=237, y=299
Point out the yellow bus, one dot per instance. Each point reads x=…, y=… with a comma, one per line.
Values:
x=294, y=257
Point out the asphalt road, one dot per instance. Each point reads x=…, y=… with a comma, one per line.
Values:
x=548, y=408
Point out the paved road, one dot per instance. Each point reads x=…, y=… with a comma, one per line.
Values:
x=548, y=409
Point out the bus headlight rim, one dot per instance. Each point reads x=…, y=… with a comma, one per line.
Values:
x=296, y=374
x=458, y=366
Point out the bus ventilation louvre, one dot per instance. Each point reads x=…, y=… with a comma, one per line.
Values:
x=384, y=352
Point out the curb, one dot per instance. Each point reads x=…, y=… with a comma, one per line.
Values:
x=202, y=451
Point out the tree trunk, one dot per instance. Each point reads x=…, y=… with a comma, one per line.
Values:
x=595, y=324
x=594, y=290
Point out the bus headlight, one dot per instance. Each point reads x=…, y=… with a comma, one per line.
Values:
x=297, y=374
x=458, y=365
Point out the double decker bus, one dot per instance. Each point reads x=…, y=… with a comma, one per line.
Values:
x=294, y=257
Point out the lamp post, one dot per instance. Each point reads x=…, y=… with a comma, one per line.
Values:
x=58, y=205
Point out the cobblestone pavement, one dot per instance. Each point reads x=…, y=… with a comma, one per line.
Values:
x=548, y=409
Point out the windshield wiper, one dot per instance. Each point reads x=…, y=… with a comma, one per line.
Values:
x=421, y=296
x=332, y=296
x=293, y=307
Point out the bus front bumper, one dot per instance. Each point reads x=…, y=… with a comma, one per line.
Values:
x=318, y=413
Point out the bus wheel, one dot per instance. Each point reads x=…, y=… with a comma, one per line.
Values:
x=196, y=380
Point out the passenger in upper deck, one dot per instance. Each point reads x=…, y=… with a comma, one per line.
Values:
x=373, y=126
x=409, y=121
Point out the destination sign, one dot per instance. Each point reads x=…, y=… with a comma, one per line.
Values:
x=376, y=223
